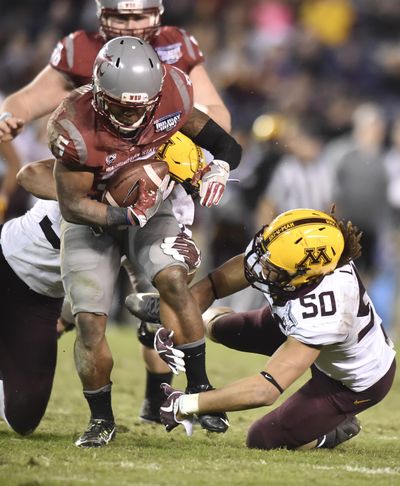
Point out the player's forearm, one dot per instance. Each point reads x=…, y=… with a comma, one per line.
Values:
x=84, y=211
x=37, y=178
x=19, y=105
x=221, y=116
x=91, y=212
x=203, y=293
x=38, y=98
x=251, y=392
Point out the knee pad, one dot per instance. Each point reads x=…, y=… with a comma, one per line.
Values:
x=210, y=318
x=146, y=332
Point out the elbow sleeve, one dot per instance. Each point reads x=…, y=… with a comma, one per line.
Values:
x=216, y=140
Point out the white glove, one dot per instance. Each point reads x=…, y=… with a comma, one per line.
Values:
x=214, y=179
x=164, y=346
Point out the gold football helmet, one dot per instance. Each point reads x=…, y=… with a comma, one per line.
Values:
x=184, y=159
x=295, y=249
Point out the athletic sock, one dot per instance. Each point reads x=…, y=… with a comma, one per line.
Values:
x=153, y=385
x=100, y=403
x=195, y=362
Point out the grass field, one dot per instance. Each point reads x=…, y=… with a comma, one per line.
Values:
x=145, y=454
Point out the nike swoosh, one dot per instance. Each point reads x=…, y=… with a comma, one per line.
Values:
x=358, y=402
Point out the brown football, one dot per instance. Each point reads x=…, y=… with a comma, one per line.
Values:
x=123, y=187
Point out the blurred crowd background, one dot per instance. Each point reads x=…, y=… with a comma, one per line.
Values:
x=313, y=88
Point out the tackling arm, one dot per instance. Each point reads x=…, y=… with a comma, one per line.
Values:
x=285, y=366
x=37, y=178
x=225, y=280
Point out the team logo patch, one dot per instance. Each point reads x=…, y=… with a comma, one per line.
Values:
x=170, y=54
x=168, y=122
x=110, y=159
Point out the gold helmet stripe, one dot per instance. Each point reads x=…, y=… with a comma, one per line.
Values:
x=294, y=224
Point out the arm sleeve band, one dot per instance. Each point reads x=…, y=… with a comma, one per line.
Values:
x=217, y=141
x=272, y=380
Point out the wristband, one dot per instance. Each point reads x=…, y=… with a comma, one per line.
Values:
x=189, y=404
x=5, y=115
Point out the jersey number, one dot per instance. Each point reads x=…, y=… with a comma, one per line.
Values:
x=323, y=304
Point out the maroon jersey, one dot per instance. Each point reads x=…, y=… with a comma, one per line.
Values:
x=75, y=54
x=79, y=139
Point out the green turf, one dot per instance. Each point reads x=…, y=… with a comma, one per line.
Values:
x=145, y=454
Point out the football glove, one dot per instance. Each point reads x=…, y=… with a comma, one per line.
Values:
x=183, y=249
x=147, y=203
x=165, y=348
x=214, y=178
x=170, y=409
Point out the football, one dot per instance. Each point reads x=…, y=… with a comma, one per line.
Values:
x=122, y=189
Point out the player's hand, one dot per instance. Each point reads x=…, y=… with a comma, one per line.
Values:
x=10, y=126
x=214, y=178
x=183, y=249
x=164, y=346
x=169, y=411
x=147, y=203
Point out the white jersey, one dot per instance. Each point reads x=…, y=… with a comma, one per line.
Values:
x=31, y=246
x=338, y=316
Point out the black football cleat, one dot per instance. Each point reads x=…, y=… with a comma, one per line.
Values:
x=98, y=434
x=348, y=429
x=150, y=412
x=213, y=422
x=144, y=306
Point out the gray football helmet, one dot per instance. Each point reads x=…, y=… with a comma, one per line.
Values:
x=151, y=8
x=127, y=77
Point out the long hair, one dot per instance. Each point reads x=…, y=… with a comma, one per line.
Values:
x=352, y=236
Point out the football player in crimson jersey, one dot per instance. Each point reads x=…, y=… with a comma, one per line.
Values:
x=133, y=106
x=71, y=66
x=318, y=315
x=72, y=62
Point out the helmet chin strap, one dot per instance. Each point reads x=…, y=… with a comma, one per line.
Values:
x=131, y=128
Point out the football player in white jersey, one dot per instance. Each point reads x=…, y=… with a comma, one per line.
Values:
x=31, y=299
x=318, y=315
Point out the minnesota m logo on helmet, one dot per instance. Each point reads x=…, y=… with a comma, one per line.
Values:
x=314, y=256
